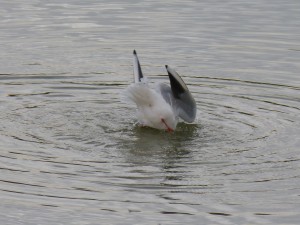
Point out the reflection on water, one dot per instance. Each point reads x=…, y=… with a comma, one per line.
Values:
x=149, y=141
x=71, y=151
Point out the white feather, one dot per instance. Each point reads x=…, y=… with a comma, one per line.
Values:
x=161, y=107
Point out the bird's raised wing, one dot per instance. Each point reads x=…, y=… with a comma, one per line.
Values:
x=137, y=70
x=184, y=102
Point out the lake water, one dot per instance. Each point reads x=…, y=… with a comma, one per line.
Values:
x=70, y=149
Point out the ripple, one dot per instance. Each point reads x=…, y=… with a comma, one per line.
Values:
x=69, y=146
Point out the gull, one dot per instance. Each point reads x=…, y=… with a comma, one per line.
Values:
x=160, y=107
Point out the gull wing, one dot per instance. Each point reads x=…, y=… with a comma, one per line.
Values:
x=184, y=102
x=137, y=70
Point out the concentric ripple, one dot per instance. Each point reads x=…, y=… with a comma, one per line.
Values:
x=66, y=147
x=71, y=151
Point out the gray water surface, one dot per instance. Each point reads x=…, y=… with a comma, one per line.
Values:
x=71, y=151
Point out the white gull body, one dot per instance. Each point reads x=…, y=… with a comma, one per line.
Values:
x=162, y=106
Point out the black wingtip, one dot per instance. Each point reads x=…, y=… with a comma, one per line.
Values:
x=134, y=52
x=166, y=66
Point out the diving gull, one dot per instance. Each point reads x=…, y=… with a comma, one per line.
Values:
x=162, y=106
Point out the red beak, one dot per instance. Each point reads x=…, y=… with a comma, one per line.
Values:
x=169, y=129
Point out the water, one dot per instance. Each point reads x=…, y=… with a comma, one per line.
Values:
x=71, y=152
